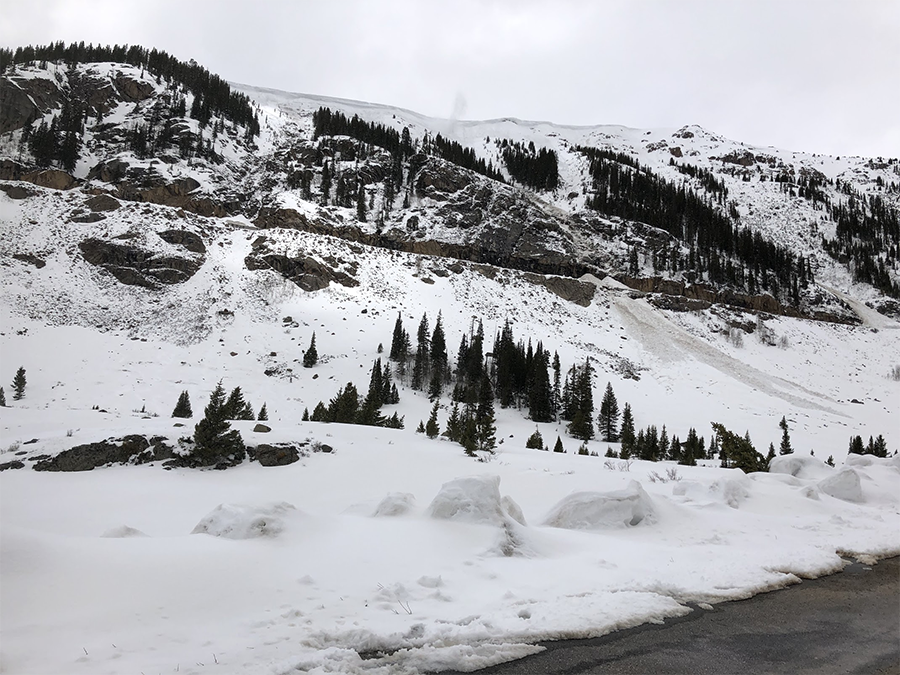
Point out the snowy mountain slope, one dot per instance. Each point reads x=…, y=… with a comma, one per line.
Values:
x=118, y=293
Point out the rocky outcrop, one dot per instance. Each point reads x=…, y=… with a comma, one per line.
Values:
x=23, y=100
x=192, y=242
x=30, y=259
x=701, y=296
x=307, y=272
x=101, y=203
x=131, y=89
x=136, y=267
x=16, y=191
x=279, y=454
x=133, y=449
x=48, y=178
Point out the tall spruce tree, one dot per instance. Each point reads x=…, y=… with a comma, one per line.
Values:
x=2, y=398
x=609, y=416
x=18, y=384
x=738, y=452
x=263, y=415
x=785, y=448
x=431, y=428
x=213, y=436
x=311, y=355
x=626, y=433
x=183, y=406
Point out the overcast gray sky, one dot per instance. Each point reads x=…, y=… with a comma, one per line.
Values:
x=815, y=75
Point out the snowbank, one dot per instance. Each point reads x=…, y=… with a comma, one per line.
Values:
x=235, y=521
x=843, y=485
x=800, y=466
x=395, y=504
x=601, y=510
x=474, y=499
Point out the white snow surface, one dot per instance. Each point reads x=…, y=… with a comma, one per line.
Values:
x=337, y=563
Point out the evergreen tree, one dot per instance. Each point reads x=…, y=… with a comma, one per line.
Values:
x=830, y=460
x=375, y=396
x=540, y=395
x=559, y=446
x=453, y=424
x=2, y=398
x=879, y=448
x=663, y=443
x=311, y=355
x=235, y=405
x=213, y=436
x=421, y=428
x=319, y=413
x=305, y=417
x=771, y=455
x=626, y=434
x=343, y=408
x=738, y=452
x=609, y=416
x=438, y=351
x=690, y=449
x=432, y=429
x=582, y=404
x=421, y=366
x=856, y=445
x=535, y=441
x=486, y=430
x=361, y=203
x=785, y=448
x=557, y=390
x=18, y=384
x=263, y=415
x=326, y=183
x=183, y=406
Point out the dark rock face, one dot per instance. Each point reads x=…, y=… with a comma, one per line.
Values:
x=23, y=100
x=132, y=449
x=17, y=191
x=192, y=242
x=307, y=273
x=701, y=296
x=30, y=259
x=137, y=267
x=280, y=454
x=14, y=464
x=102, y=202
x=132, y=90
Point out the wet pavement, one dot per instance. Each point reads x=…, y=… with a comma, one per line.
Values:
x=843, y=623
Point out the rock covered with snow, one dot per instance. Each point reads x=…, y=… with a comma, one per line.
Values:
x=843, y=485
x=237, y=521
x=603, y=510
x=122, y=532
x=473, y=499
x=395, y=504
x=800, y=466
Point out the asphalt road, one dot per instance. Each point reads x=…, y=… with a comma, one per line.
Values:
x=846, y=623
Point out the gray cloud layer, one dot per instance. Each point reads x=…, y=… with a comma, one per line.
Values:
x=815, y=75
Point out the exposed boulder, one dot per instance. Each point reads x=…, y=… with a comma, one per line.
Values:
x=17, y=191
x=13, y=464
x=133, y=449
x=306, y=272
x=102, y=202
x=30, y=259
x=136, y=267
x=51, y=178
x=131, y=89
x=278, y=454
x=189, y=240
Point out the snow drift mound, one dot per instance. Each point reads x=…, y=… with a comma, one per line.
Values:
x=800, y=466
x=122, y=532
x=603, y=510
x=843, y=485
x=235, y=521
x=475, y=499
x=395, y=504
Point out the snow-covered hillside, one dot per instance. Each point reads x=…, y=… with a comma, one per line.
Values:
x=381, y=550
